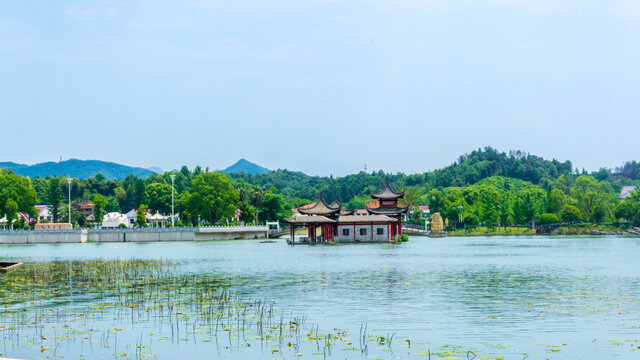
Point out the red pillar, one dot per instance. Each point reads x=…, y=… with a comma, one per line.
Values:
x=354, y=232
x=292, y=233
x=388, y=232
x=400, y=225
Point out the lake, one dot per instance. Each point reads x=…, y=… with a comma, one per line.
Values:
x=484, y=297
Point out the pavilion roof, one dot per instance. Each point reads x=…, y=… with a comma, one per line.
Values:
x=320, y=208
x=309, y=219
x=388, y=210
x=344, y=211
x=388, y=194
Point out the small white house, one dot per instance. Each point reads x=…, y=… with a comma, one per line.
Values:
x=113, y=220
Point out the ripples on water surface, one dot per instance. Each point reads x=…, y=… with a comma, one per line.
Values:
x=557, y=298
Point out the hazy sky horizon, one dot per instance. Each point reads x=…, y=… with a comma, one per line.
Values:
x=319, y=86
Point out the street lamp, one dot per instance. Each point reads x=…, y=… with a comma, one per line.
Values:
x=173, y=177
x=69, y=182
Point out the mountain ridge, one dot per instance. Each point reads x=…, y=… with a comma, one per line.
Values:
x=245, y=166
x=82, y=169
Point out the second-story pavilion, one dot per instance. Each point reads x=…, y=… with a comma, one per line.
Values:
x=381, y=223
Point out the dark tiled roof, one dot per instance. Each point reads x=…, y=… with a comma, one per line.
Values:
x=309, y=219
x=320, y=208
x=388, y=210
x=387, y=194
x=344, y=212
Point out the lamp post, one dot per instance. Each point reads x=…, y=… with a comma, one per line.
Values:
x=69, y=182
x=460, y=211
x=173, y=177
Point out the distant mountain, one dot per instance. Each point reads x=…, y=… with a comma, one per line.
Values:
x=245, y=166
x=81, y=169
x=155, y=169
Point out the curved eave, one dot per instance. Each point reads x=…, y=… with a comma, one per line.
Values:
x=387, y=194
x=385, y=211
x=318, y=211
x=310, y=219
x=320, y=208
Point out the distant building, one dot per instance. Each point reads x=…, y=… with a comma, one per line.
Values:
x=113, y=220
x=132, y=216
x=425, y=211
x=626, y=192
x=297, y=211
x=379, y=222
x=43, y=212
x=86, y=209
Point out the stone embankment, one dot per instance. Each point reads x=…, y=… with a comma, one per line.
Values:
x=631, y=232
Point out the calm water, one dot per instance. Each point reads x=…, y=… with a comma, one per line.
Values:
x=556, y=298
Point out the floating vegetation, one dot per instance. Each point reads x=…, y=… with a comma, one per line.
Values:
x=141, y=309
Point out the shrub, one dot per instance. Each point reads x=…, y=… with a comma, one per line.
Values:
x=471, y=221
x=570, y=213
x=546, y=219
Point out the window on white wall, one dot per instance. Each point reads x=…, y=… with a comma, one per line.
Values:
x=345, y=232
x=380, y=231
x=363, y=231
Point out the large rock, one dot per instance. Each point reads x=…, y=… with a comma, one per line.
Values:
x=436, y=223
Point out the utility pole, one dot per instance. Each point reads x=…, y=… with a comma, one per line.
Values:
x=173, y=177
x=69, y=182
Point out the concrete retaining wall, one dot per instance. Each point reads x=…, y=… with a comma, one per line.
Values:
x=132, y=235
x=143, y=236
x=43, y=237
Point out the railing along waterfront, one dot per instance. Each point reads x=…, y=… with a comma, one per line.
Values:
x=148, y=229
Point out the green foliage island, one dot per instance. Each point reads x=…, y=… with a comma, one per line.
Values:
x=485, y=188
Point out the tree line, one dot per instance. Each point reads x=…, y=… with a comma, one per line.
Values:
x=483, y=187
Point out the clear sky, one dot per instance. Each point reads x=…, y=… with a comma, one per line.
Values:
x=321, y=86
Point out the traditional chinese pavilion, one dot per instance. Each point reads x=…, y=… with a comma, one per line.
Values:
x=375, y=224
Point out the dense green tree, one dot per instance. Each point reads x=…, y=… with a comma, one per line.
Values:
x=600, y=214
x=626, y=210
x=548, y=218
x=216, y=198
x=570, y=214
x=590, y=193
x=413, y=194
x=54, y=197
x=159, y=197
x=556, y=199
x=112, y=205
x=274, y=207
x=471, y=221
x=436, y=201
x=141, y=216
x=11, y=208
x=528, y=205
x=82, y=220
x=99, y=203
x=248, y=212
x=20, y=190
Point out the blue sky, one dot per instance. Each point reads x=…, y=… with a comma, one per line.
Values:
x=321, y=86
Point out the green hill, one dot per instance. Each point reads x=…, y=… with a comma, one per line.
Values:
x=82, y=169
x=247, y=167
